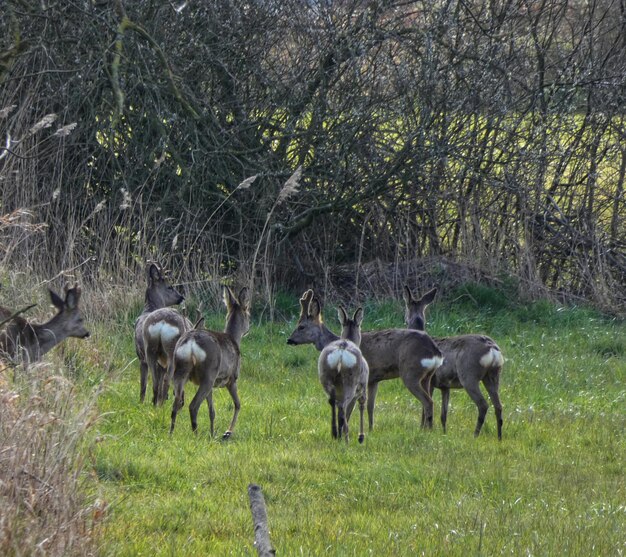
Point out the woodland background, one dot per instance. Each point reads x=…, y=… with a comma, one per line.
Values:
x=430, y=141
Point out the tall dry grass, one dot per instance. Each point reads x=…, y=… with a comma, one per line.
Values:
x=46, y=506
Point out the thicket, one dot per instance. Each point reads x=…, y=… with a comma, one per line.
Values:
x=485, y=134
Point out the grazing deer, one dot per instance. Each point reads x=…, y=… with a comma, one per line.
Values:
x=468, y=360
x=211, y=359
x=389, y=353
x=159, y=294
x=26, y=342
x=344, y=372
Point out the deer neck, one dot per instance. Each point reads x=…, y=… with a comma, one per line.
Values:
x=152, y=302
x=46, y=336
x=235, y=328
x=353, y=334
x=325, y=337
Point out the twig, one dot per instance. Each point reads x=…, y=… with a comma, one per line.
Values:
x=18, y=312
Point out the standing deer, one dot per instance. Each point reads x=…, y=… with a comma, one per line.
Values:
x=26, y=342
x=468, y=360
x=159, y=294
x=211, y=359
x=161, y=330
x=391, y=353
x=344, y=372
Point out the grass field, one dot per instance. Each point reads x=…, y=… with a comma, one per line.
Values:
x=555, y=485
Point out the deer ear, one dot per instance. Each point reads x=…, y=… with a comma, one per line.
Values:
x=406, y=295
x=244, y=298
x=343, y=316
x=428, y=297
x=305, y=300
x=229, y=298
x=358, y=316
x=57, y=301
x=315, y=309
x=71, y=297
x=154, y=273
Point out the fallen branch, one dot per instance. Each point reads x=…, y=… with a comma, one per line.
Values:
x=259, y=518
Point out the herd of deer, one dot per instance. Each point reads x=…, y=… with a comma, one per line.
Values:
x=350, y=366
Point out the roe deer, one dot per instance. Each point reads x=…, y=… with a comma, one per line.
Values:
x=343, y=373
x=161, y=330
x=159, y=294
x=211, y=359
x=468, y=360
x=26, y=342
x=389, y=353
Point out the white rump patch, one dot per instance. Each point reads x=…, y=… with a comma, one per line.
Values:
x=492, y=358
x=166, y=331
x=191, y=350
x=432, y=363
x=341, y=356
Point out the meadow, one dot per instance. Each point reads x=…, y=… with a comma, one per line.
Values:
x=554, y=485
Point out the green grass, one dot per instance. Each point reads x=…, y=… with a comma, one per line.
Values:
x=555, y=485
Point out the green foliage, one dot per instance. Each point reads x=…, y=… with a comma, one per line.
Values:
x=475, y=295
x=404, y=491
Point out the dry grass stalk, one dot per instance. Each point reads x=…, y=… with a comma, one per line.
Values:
x=291, y=186
x=247, y=183
x=45, y=122
x=43, y=508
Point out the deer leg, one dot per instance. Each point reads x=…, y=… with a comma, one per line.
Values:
x=362, y=412
x=418, y=390
x=342, y=424
x=473, y=390
x=445, y=399
x=350, y=408
x=372, y=390
x=169, y=376
x=349, y=398
x=232, y=389
x=204, y=391
x=341, y=420
x=156, y=378
x=143, y=380
x=165, y=383
x=162, y=379
x=179, y=401
x=492, y=384
x=333, y=417
x=430, y=390
x=209, y=401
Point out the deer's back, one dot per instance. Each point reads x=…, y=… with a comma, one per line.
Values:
x=19, y=334
x=389, y=351
x=214, y=356
x=139, y=347
x=467, y=357
x=164, y=326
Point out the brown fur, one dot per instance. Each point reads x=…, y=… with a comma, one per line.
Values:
x=159, y=294
x=462, y=367
x=389, y=353
x=26, y=342
x=211, y=359
x=344, y=383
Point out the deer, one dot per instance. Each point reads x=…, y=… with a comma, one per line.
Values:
x=468, y=360
x=390, y=353
x=161, y=330
x=26, y=342
x=343, y=373
x=159, y=294
x=211, y=359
